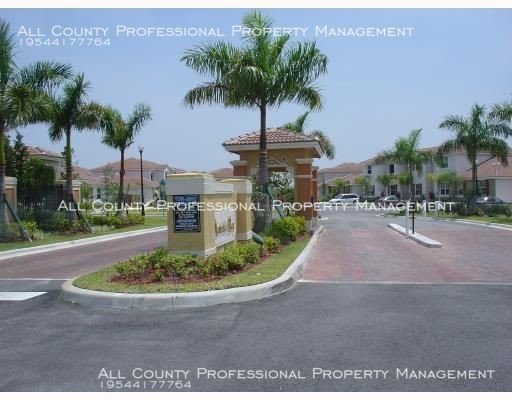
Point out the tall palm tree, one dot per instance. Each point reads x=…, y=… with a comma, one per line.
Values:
x=23, y=94
x=299, y=126
x=502, y=112
x=71, y=111
x=265, y=72
x=406, y=151
x=120, y=134
x=478, y=132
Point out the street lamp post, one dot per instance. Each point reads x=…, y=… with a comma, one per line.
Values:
x=142, y=212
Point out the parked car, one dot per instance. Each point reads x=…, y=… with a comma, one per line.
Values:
x=488, y=201
x=388, y=200
x=350, y=198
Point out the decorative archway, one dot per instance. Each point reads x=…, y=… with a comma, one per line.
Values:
x=287, y=151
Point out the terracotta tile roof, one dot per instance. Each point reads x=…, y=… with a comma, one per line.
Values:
x=133, y=163
x=348, y=167
x=351, y=179
x=226, y=172
x=85, y=175
x=134, y=181
x=492, y=168
x=41, y=151
x=274, y=135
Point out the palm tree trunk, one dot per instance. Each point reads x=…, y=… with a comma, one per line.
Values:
x=3, y=208
x=69, y=177
x=121, y=183
x=262, y=160
x=474, y=176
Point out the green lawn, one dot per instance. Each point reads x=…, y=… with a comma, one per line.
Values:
x=273, y=267
x=150, y=222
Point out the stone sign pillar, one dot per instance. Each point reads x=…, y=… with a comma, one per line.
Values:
x=205, y=215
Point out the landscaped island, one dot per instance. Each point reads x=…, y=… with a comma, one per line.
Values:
x=238, y=265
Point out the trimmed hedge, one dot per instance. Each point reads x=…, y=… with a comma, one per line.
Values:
x=116, y=221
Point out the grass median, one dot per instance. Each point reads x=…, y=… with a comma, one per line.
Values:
x=149, y=222
x=271, y=268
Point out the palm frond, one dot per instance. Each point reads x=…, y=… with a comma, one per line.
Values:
x=44, y=74
x=7, y=46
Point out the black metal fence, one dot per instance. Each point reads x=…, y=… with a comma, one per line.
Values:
x=48, y=199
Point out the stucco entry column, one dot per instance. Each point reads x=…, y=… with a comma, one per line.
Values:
x=304, y=184
x=314, y=193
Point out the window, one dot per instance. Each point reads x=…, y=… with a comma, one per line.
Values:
x=444, y=189
x=371, y=191
x=444, y=163
x=393, y=190
x=482, y=187
x=98, y=193
x=418, y=190
x=391, y=168
x=369, y=170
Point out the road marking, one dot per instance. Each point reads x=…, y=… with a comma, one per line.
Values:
x=18, y=296
x=34, y=279
x=404, y=283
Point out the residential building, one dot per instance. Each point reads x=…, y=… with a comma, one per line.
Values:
x=50, y=158
x=494, y=178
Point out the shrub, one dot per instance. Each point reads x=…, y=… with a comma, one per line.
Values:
x=135, y=219
x=32, y=230
x=300, y=221
x=158, y=276
x=497, y=209
x=117, y=221
x=271, y=244
x=215, y=265
x=285, y=229
x=459, y=209
x=250, y=252
x=179, y=265
x=60, y=222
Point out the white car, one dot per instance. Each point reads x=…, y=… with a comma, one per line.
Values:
x=348, y=198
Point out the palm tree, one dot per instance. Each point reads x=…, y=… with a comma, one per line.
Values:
x=265, y=72
x=23, y=94
x=365, y=182
x=299, y=126
x=120, y=134
x=478, y=132
x=406, y=151
x=385, y=180
x=71, y=111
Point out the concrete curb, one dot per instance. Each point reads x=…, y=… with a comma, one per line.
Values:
x=174, y=301
x=494, y=225
x=423, y=240
x=4, y=255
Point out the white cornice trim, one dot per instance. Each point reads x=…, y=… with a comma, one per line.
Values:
x=238, y=163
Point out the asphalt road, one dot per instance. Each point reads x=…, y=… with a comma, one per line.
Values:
x=48, y=344
x=75, y=261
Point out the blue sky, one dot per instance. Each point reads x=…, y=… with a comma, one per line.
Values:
x=376, y=89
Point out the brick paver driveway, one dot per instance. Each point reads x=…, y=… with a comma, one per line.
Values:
x=359, y=247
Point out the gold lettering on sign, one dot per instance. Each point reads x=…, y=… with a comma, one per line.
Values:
x=226, y=226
